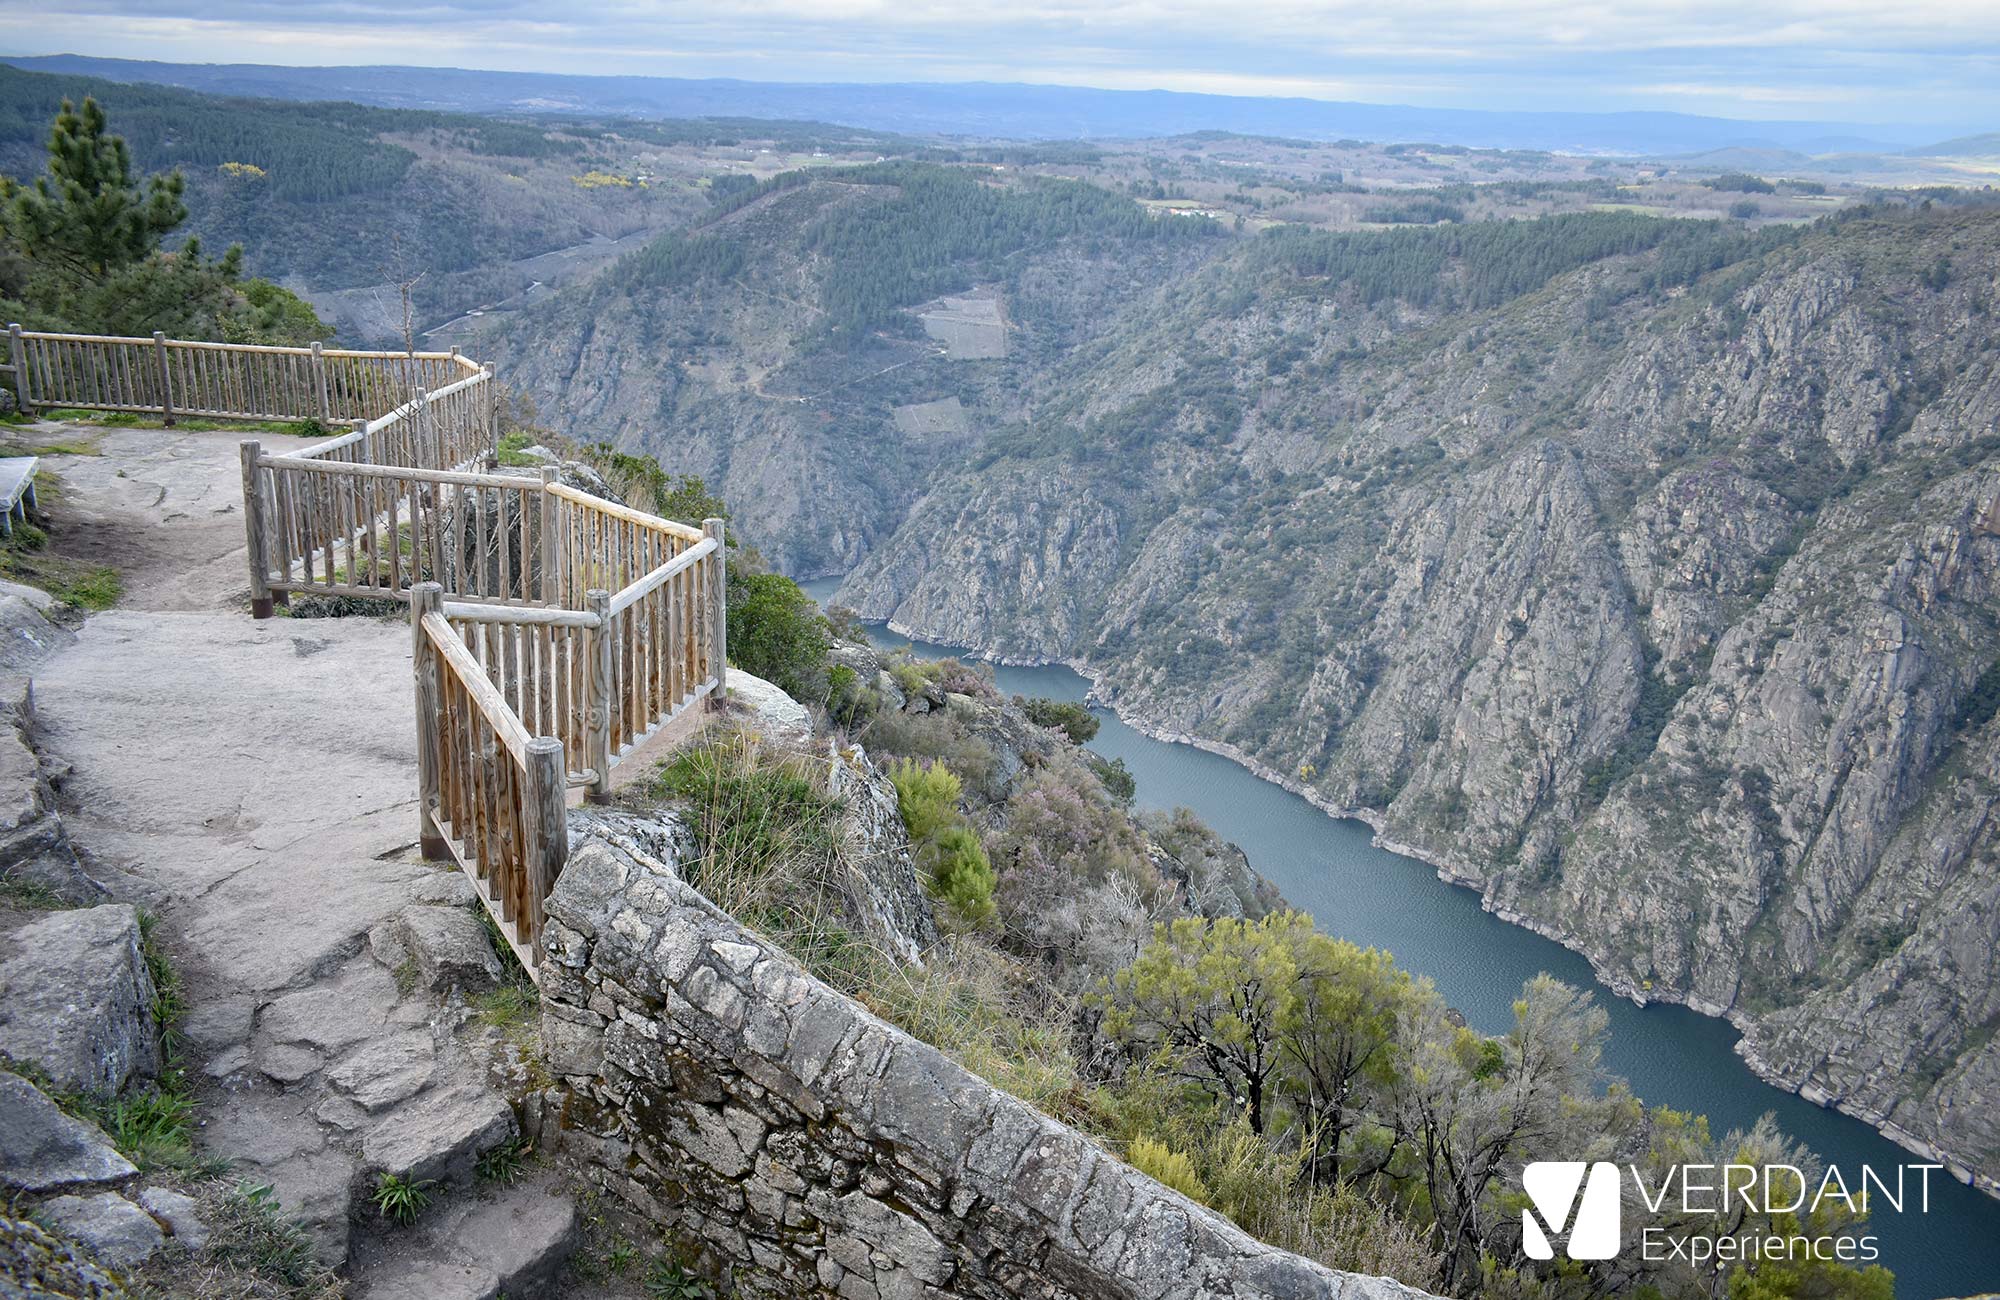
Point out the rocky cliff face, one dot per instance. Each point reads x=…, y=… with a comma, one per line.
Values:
x=1650, y=592
x=1660, y=619
x=717, y=361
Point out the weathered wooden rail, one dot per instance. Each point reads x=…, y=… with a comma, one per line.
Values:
x=177, y=377
x=553, y=632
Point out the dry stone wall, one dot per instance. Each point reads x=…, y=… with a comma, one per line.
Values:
x=814, y=1150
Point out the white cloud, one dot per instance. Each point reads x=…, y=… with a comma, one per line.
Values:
x=1919, y=60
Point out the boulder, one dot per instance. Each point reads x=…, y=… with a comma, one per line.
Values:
x=659, y=834
x=76, y=999
x=27, y=633
x=513, y=1244
x=317, y=1189
x=766, y=709
x=439, y=1136
x=447, y=946
x=885, y=892
x=34, y=848
x=42, y=1149
x=107, y=1225
x=390, y=1069
x=330, y=1017
x=35, y=1263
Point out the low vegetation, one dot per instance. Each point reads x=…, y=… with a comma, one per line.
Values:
x=256, y=1250
x=1311, y=1090
x=400, y=1199
x=1067, y=716
x=960, y=873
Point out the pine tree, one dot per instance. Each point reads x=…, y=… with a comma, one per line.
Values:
x=87, y=217
x=82, y=250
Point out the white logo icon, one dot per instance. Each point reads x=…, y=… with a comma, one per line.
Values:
x=1552, y=1192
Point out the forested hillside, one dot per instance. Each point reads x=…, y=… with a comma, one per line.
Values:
x=327, y=196
x=1641, y=573
x=772, y=349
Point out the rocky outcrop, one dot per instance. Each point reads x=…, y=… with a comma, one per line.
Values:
x=76, y=999
x=34, y=1263
x=35, y=851
x=813, y=1150
x=43, y=1149
x=1667, y=622
x=883, y=885
x=113, y=1229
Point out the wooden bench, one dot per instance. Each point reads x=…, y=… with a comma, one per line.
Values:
x=17, y=489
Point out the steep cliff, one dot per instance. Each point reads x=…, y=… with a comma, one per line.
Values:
x=1660, y=617
x=731, y=350
x=1640, y=574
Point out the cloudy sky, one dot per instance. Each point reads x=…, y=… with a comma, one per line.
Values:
x=1928, y=61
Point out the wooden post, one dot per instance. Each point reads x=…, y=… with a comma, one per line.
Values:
x=166, y=383
x=545, y=541
x=545, y=828
x=597, y=712
x=427, y=598
x=254, y=529
x=492, y=416
x=719, y=640
x=18, y=347
x=319, y=382
x=421, y=418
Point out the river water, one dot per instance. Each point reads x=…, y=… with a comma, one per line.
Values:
x=1358, y=891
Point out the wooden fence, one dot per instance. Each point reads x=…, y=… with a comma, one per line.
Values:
x=176, y=377
x=553, y=631
x=490, y=795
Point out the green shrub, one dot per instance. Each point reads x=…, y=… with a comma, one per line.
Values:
x=1981, y=702
x=671, y=1281
x=1066, y=716
x=1116, y=778
x=850, y=702
x=945, y=738
x=927, y=795
x=762, y=820
x=961, y=874
x=401, y=1199
x=1159, y=1161
x=512, y=451
x=776, y=632
x=911, y=677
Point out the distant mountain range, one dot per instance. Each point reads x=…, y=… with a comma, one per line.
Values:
x=1009, y=111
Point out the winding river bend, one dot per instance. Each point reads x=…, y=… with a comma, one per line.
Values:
x=1331, y=868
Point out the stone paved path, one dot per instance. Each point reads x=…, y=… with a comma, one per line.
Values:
x=254, y=783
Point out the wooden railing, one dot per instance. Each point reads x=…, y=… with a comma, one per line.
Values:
x=553, y=631
x=490, y=795
x=177, y=377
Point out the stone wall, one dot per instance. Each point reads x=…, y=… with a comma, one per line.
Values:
x=815, y=1150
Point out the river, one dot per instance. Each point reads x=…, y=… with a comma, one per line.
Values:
x=1358, y=891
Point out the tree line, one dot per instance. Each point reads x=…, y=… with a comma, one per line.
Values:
x=1267, y=1045
x=82, y=250
x=937, y=229
x=1487, y=263
x=313, y=152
